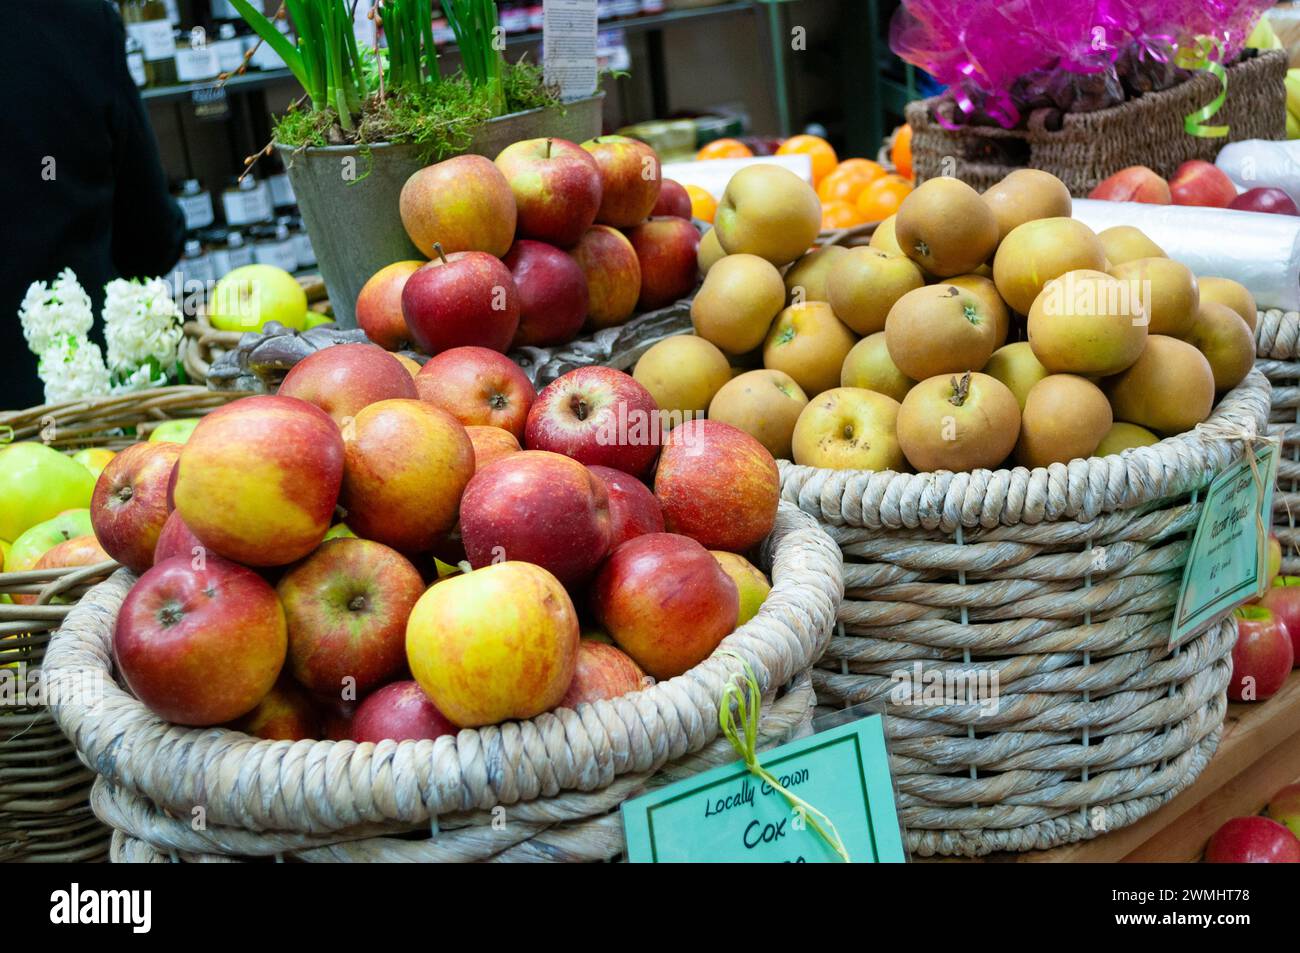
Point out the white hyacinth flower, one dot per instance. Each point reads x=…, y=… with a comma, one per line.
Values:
x=55, y=312
x=141, y=325
x=73, y=368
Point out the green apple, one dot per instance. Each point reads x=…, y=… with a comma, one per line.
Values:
x=750, y=582
x=32, y=544
x=94, y=459
x=248, y=297
x=315, y=319
x=4, y=561
x=174, y=431
x=37, y=483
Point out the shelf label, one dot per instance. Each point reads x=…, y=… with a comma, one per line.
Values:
x=728, y=815
x=1228, y=561
x=569, y=46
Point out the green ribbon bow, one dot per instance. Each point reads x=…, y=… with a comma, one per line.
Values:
x=1197, y=56
x=748, y=701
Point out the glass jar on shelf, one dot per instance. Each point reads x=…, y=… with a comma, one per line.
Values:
x=147, y=22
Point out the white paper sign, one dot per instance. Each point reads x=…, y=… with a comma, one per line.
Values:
x=569, y=46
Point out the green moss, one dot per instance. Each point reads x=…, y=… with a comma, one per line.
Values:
x=442, y=119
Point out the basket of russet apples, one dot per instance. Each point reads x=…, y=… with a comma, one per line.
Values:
x=383, y=621
x=49, y=558
x=1004, y=420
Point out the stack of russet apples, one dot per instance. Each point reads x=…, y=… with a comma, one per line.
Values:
x=357, y=558
x=550, y=239
x=975, y=331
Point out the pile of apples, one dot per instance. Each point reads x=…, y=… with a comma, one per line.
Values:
x=368, y=556
x=1268, y=635
x=975, y=331
x=1195, y=182
x=549, y=239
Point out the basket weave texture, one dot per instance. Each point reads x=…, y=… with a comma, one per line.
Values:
x=1059, y=582
x=1091, y=146
x=557, y=776
x=1277, y=355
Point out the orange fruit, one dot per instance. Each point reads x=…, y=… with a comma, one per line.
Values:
x=848, y=179
x=818, y=149
x=839, y=214
x=724, y=149
x=703, y=205
x=900, y=152
x=881, y=198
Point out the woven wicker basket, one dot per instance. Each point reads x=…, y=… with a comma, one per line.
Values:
x=1277, y=349
x=1091, y=146
x=1060, y=582
x=44, y=790
x=554, y=780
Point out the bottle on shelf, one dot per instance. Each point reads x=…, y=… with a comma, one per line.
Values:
x=273, y=245
x=229, y=47
x=147, y=22
x=237, y=251
x=135, y=62
x=195, y=264
x=196, y=204
x=247, y=202
x=277, y=180
x=303, y=250
x=196, y=59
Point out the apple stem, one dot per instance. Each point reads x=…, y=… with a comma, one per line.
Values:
x=548, y=148
x=960, y=390
x=437, y=247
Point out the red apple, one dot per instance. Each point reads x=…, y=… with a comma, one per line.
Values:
x=668, y=250
x=552, y=294
x=77, y=551
x=557, y=188
x=1197, y=182
x=540, y=508
x=490, y=444
x=1137, y=183
x=346, y=607
x=478, y=386
x=1274, y=201
x=287, y=713
x=613, y=273
x=718, y=485
x=129, y=506
x=399, y=712
x=629, y=177
x=462, y=204
x=258, y=480
x=1262, y=657
x=344, y=378
x=336, y=719
x=1284, y=807
x=460, y=299
x=673, y=200
x=633, y=509
x=200, y=646
x=596, y=415
x=176, y=539
x=1253, y=840
x=407, y=463
x=1283, y=600
x=379, y=305
x=666, y=602
x=603, y=672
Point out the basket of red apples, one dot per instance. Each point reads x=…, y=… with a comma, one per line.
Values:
x=352, y=627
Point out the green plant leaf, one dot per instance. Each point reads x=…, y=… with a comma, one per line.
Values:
x=265, y=29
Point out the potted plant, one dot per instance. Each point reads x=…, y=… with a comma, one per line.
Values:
x=373, y=114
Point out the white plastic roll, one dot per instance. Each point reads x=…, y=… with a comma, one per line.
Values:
x=1260, y=250
x=712, y=175
x=1257, y=163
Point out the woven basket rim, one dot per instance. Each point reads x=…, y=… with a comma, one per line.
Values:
x=1082, y=488
x=326, y=785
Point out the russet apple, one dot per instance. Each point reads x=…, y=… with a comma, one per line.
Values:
x=463, y=298
x=764, y=404
x=718, y=485
x=406, y=465
x=176, y=539
x=1015, y=366
x=398, y=712
x=673, y=200
x=613, y=273
x=553, y=296
x=287, y=713
x=129, y=507
x=597, y=415
x=200, y=646
x=751, y=585
x=494, y=644
x=346, y=607
x=258, y=481
x=810, y=344
x=463, y=203
x=667, y=249
x=1227, y=342
x=869, y=365
x=807, y=279
x=737, y=303
x=630, y=178
x=633, y=509
x=379, y=305
x=1262, y=657
x=478, y=386
x=682, y=373
x=666, y=601
x=344, y=378
x=768, y=211
x=538, y=507
x=864, y=284
x=490, y=444
x=849, y=428
x=557, y=188
x=1253, y=840
x=710, y=252
x=603, y=672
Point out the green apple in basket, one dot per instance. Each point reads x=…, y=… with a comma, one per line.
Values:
x=248, y=297
x=38, y=483
x=32, y=544
x=174, y=431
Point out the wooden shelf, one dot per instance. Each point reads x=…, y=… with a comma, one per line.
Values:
x=1258, y=754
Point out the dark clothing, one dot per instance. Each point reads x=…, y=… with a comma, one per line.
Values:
x=84, y=186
